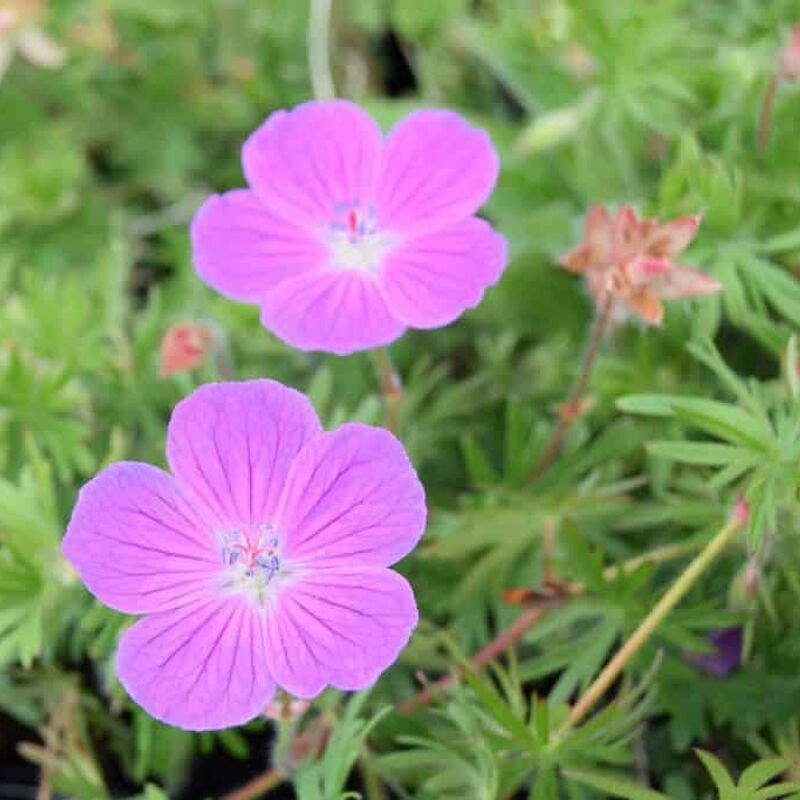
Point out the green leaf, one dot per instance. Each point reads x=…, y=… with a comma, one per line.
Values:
x=612, y=784
x=716, y=769
x=702, y=453
x=762, y=772
x=501, y=712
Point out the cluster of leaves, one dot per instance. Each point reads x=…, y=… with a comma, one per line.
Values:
x=102, y=163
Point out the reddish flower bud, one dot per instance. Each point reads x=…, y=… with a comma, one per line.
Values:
x=184, y=347
x=789, y=57
x=741, y=510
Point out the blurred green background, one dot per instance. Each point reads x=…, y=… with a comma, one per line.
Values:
x=118, y=117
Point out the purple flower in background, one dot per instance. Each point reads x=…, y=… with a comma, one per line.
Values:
x=345, y=238
x=726, y=655
x=261, y=561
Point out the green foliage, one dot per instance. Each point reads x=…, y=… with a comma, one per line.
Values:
x=102, y=163
x=326, y=778
x=753, y=781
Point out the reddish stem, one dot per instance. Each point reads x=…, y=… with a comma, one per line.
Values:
x=391, y=388
x=260, y=785
x=765, y=113
x=502, y=642
x=572, y=405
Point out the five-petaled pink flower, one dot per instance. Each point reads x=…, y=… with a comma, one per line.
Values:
x=261, y=561
x=345, y=238
x=631, y=260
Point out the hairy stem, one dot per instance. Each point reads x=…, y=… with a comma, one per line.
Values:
x=311, y=740
x=391, y=387
x=257, y=787
x=650, y=623
x=505, y=639
x=319, y=56
x=570, y=411
x=765, y=113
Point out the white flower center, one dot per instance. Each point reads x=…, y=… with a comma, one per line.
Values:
x=354, y=241
x=251, y=560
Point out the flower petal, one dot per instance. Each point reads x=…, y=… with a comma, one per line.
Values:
x=681, y=282
x=673, y=237
x=351, y=497
x=431, y=280
x=136, y=543
x=337, y=311
x=199, y=667
x=594, y=251
x=437, y=169
x=339, y=627
x=306, y=163
x=38, y=48
x=230, y=446
x=644, y=305
x=242, y=250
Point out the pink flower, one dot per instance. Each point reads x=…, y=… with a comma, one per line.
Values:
x=184, y=347
x=345, y=238
x=633, y=260
x=261, y=561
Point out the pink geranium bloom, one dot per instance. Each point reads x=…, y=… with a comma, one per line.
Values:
x=346, y=238
x=260, y=562
x=632, y=260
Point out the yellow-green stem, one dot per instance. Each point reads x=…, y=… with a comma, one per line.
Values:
x=391, y=388
x=673, y=596
x=319, y=57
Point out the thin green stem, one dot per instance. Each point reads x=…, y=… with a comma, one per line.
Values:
x=650, y=623
x=391, y=387
x=319, y=55
x=571, y=409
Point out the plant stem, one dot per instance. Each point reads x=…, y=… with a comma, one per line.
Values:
x=318, y=44
x=647, y=627
x=257, y=787
x=505, y=639
x=307, y=741
x=391, y=387
x=765, y=113
x=570, y=411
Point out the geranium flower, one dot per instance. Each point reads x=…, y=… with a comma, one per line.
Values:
x=726, y=654
x=345, y=238
x=20, y=31
x=632, y=260
x=261, y=561
x=184, y=347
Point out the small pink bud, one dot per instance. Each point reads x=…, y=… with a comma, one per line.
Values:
x=184, y=347
x=741, y=511
x=789, y=58
x=286, y=709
